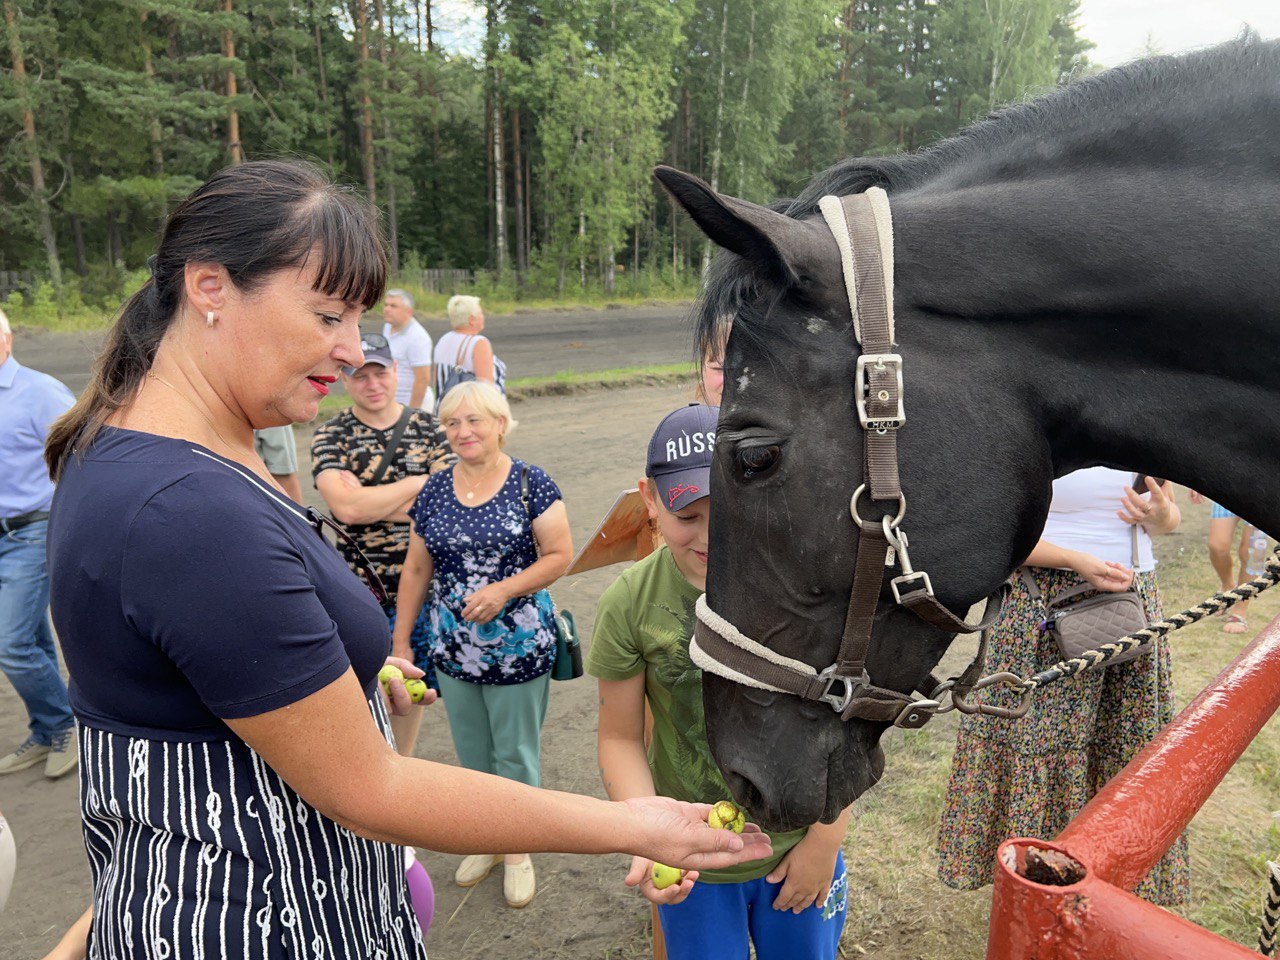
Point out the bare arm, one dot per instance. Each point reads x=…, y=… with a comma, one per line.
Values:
x=1102, y=574
x=624, y=768
x=555, y=545
x=326, y=748
x=354, y=503
x=482, y=361
x=415, y=579
x=421, y=381
x=74, y=944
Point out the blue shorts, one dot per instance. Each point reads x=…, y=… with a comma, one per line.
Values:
x=420, y=641
x=1221, y=513
x=715, y=921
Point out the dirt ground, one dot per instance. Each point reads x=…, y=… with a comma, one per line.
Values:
x=593, y=445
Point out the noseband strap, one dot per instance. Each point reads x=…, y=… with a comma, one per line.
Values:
x=863, y=229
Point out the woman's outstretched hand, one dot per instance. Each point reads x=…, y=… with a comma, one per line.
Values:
x=676, y=833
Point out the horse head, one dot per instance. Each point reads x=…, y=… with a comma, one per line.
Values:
x=1014, y=244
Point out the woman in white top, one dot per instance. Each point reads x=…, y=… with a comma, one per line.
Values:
x=1028, y=777
x=465, y=350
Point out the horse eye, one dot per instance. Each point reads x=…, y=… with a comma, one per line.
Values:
x=756, y=460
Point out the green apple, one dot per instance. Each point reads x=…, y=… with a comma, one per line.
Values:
x=726, y=815
x=417, y=690
x=388, y=673
x=664, y=876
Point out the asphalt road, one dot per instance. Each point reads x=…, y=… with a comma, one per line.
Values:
x=531, y=344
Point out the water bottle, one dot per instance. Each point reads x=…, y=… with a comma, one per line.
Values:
x=1256, y=565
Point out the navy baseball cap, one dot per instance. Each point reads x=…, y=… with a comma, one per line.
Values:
x=680, y=452
x=376, y=349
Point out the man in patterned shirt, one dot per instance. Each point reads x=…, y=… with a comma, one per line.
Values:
x=372, y=499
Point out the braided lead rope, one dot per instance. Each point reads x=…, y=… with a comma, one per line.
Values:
x=1270, y=913
x=1027, y=686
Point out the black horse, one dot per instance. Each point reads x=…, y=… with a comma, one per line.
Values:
x=1089, y=278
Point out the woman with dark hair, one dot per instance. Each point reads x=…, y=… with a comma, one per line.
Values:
x=239, y=793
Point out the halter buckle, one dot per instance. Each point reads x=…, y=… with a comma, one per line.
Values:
x=840, y=702
x=918, y=576
x=862, y=390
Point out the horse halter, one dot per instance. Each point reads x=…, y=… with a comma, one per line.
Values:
x=863, y=230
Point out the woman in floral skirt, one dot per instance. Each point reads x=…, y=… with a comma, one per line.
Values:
x=493, y=638
x=1028, y=777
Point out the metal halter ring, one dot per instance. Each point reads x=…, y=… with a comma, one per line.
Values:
x=872, y=524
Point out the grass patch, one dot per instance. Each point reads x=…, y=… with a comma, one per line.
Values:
x=556, y=384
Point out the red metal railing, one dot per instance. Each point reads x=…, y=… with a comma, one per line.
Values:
x=1129, y=826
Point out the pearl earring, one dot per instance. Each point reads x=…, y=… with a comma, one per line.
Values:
x=209, y=318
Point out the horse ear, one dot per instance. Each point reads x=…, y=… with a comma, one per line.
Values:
x=769, y=240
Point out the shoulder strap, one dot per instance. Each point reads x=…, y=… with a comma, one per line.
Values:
x=1133, y=552
x=393, y=445
x=524, y=490
x=1029, y=581
x=462, y=349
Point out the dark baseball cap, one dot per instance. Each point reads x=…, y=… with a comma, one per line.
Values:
x=680, y=452
x=376, y=349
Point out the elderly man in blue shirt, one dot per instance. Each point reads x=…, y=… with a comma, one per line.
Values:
x=29, y=403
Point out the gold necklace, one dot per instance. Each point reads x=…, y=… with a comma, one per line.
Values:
x=471, y=493
x=151, y=374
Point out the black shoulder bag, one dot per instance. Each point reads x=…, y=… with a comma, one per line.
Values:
x=568, y=665
x=393, y=446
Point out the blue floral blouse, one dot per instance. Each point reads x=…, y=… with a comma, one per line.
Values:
x=474, y=546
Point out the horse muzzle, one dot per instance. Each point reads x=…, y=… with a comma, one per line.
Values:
x=789, y=762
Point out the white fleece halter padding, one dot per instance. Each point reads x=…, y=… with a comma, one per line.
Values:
x=729, y=632
x=833, y=212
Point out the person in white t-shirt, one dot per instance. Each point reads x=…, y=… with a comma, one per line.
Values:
x=411, y=347
x=1028, y=777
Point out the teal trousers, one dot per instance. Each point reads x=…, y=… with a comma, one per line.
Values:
x=497, y=728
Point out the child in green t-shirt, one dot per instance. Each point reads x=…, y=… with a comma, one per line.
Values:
x=789, y=906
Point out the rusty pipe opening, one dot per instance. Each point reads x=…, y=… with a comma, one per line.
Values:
x=1042, y=864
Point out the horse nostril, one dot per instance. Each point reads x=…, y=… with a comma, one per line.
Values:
x=744, y=791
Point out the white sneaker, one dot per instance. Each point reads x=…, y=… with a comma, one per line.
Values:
x=475, y=868
x=519, y=885
x=27, y=754
x=64, y=754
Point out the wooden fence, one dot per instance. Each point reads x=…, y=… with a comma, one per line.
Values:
x=23, y=281
x=444, y=281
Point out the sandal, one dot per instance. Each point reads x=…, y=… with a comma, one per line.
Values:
x=1235, y=624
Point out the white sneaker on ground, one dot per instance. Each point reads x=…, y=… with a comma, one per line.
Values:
x=64, y=754
x=27, y=754
x=475, y=868
x=519, y=884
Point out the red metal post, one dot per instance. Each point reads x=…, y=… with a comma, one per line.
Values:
x=1135, y=818
x=1090, y=919
x=1129, y=825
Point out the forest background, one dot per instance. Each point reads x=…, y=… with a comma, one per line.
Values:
x=523, y=157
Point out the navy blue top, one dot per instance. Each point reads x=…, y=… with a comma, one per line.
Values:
x=474, y=546
x=185, y=591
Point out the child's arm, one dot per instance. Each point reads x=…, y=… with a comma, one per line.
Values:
x=624, y=768
x=806, y=871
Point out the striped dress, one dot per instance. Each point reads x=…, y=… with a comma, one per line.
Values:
x=186, y=594
x=200, y=850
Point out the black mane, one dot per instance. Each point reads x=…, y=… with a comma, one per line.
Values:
x=1135, y=110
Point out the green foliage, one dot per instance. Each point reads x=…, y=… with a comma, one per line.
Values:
x=133, y=110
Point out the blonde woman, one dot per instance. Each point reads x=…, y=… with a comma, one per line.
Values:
x=493, y=636
x=463, y=354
